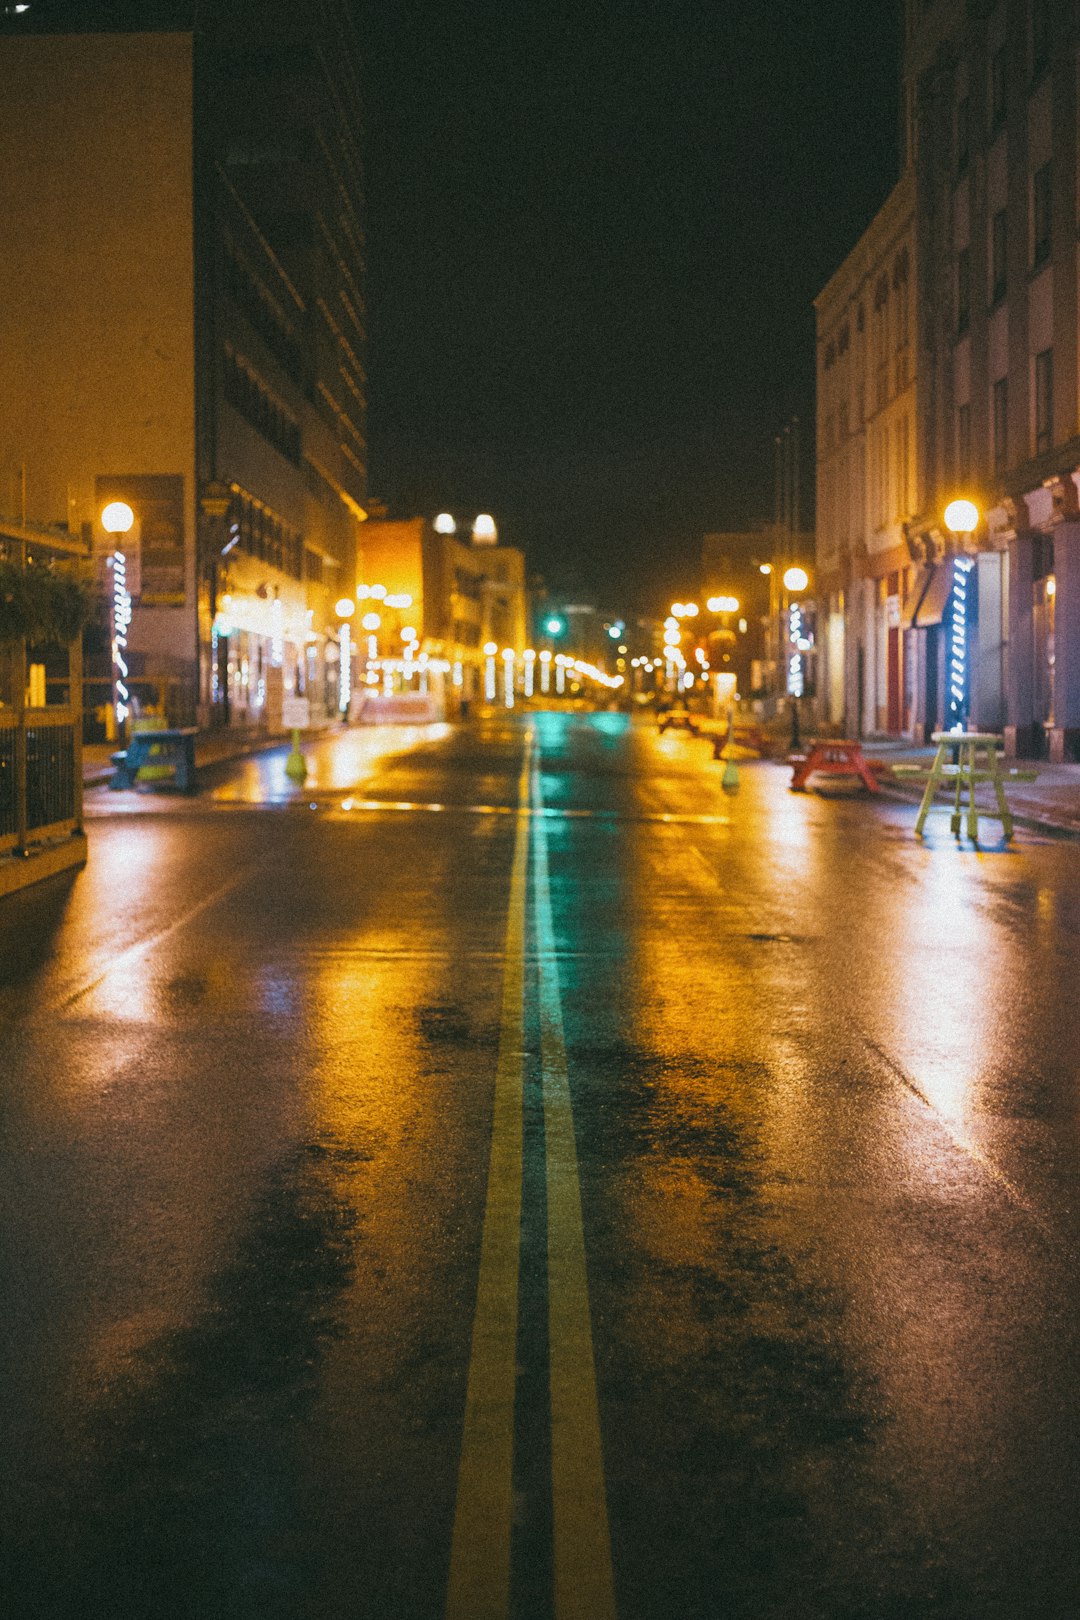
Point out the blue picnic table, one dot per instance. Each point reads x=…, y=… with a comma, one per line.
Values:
x=170, y=747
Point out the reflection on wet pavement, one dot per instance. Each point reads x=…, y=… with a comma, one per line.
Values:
x=824, y=1099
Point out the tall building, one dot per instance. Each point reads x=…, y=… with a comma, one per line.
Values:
x=991, y=99
x=868, y=581
x=182, y=325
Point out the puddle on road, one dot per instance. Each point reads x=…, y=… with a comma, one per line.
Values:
x=739, y=1432
x=186, y=1493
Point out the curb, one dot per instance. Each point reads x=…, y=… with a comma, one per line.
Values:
x=1030, y=823
x=101, y=776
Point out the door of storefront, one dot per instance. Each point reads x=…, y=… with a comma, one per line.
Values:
x=894, y=710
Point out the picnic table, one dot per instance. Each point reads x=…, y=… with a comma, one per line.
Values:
x=168, y=747
x=834, y=756
x=966, y=772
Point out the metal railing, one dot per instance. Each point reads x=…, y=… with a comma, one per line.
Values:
x=9, y=814
x=40, y=747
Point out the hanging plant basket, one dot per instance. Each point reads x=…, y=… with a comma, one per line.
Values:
x=39, y=606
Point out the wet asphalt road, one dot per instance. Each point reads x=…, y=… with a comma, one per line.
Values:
x=513, y=1178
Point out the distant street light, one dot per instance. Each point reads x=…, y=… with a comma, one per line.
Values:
x=796, y=579
x=723, y=604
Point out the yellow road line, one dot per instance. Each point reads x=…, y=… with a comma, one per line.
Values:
x=584, y=1585
x=479, y=1582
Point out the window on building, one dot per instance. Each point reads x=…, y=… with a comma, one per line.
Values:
x=963, y=134
x=997, y=87
x=903, y=444
x=963, y=442
x=999, y=249
x=1001, y=424
x=1041, y=215
x=1044, y=400
x=963, y=291
x=1040, y=36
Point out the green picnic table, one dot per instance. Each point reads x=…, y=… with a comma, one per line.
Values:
x=967, y=773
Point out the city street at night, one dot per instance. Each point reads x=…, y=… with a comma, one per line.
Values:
x=510, y=1176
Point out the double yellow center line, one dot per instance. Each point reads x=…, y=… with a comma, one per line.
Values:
x=480, y=1572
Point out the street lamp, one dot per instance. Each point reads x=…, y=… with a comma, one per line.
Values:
x=962, y=518
x=117, y=519
x=795, y=580
x=345, y=610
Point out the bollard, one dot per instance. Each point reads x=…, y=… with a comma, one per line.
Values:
x=730, y=779
x=296, y=765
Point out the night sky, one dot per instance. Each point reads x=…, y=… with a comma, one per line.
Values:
x=595, y=234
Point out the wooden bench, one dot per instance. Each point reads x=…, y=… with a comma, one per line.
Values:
x=172, y=748
x=749, y=737
x=679, y=719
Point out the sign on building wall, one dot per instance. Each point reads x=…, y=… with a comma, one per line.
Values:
x=157, y=500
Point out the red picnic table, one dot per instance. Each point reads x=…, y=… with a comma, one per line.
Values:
x=834, y=756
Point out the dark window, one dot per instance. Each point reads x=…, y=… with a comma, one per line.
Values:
x=999, y=247
x=247, y=394
x=1044, y=400
x=963, y=134
x=997, y=87
x=1041, y=214
x=1001, y=424
x=1040, y=36
x=963, y=442
x=963, y=291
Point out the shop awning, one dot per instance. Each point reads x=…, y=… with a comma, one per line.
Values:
x=912, y=601
x=931, y=610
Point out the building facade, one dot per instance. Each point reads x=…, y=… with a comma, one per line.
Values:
x=991, y=102
x=871, y=659
x=183, y=329
x=432, y=607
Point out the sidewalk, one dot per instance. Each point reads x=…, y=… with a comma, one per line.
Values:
x=1051, y=802
x=211, y=748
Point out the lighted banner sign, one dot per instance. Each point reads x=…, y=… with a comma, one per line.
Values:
x=157, y=499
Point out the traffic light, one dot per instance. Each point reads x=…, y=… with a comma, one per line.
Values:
x=554, y=625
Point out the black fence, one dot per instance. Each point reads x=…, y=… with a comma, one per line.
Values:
x=9, y=811
x=50, y=775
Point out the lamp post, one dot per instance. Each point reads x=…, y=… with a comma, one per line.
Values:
x=795, y=580
x=344, y=609
x=962, y=518
x=215, y=501
x=117, y=519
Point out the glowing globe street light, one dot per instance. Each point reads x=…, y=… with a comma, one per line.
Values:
x=796, y=579
x=117, y=517
x=961, y=517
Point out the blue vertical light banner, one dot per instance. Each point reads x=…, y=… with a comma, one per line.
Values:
x=961, y=614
